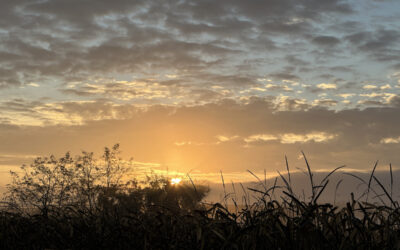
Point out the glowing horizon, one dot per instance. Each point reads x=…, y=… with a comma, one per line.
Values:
x=199, y=87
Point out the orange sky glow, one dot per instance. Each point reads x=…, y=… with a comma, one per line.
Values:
x=202, y=87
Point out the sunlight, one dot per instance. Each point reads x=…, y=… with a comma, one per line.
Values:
x=175, y=181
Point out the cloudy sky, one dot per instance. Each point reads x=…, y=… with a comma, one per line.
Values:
x=202, y=86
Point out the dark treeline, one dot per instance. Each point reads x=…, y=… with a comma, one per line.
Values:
x=87, y=203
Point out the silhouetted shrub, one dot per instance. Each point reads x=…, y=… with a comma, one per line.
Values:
x=78, y=203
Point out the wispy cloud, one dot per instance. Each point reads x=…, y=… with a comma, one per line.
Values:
x=290, y=138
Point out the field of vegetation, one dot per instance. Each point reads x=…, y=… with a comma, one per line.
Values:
x=87, y=203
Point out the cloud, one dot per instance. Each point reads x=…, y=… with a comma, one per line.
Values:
x=327, y=86
x=326, y=41
x=315, y=137
x=393, y=100
x=201, y=44
x=260, y=137
x=383, y=99
x=325, y=102
x=186, y=137
x=380, y=43
x=223, y=138
x=25, y=113
x=278, y=87
x=188, y=143
x=370, y=86
x=390, y=140
x=79, y=74
x=285, y=103
x=290, y=138
x=32, y=84
x=285, y=76
x=346, y=95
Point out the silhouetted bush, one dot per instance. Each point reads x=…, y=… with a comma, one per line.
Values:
x=82, y=203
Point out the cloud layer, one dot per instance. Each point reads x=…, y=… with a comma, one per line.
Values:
x=202, y=85
x=226, y=135
x=199, y=51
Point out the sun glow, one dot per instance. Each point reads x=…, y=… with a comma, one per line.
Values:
x=175, y=181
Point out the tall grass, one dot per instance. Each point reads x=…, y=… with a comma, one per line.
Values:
x=291, y=221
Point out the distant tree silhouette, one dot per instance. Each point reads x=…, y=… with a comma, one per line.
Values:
x=88, y=185
x=48, y=183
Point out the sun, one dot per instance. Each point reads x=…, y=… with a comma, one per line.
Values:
x=175, y=181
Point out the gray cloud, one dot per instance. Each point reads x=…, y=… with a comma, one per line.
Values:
x=381, y=43
x=326, y=41
x=206, y=43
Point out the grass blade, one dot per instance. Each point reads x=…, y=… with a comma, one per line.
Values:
x=391, y=180
x=384, y=190
x=336, y=189
x=333, y=171
x=310, y=175
x=259, y=180
x=320, y=192
x=370, y=179
x=288, y=187
x=288, y=171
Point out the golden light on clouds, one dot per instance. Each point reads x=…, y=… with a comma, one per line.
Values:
x=316, y=137
x=370, y=86
x=291, y=138
x=327, y=86
x=260, y=137
x=223, y=138
x=230, y=89
x=390, y=140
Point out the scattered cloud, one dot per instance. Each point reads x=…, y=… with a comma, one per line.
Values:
x=222, y=138
x=315, y=137
x=326, y=41
x=325, y=102
x=32, y=84
x=347, y=95
x=261, y=137
x=387, y=86
x=327, y=86
x=115, y=51
x=188, y=143
x=390, y=140
x=370, y=86
x=290, y=138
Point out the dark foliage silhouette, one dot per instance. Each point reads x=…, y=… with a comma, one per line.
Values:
x=84, y=202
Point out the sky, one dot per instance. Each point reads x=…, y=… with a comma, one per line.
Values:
x=201, y=87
